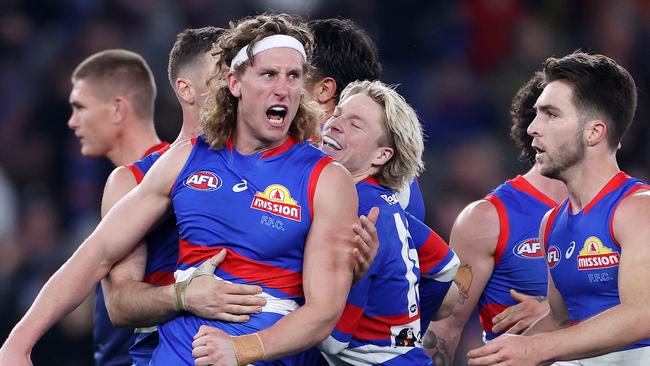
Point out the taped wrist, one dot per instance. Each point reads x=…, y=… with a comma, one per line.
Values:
x=206, y=269
x=248, y=348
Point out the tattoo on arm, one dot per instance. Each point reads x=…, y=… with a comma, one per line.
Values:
x=540, y=298
x=437, y=348
x=464, y=282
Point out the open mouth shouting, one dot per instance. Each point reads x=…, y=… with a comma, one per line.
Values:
x=276, y=114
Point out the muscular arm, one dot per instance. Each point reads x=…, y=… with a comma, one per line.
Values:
x=473, y=238
x=115, y=237
x=327, y=268
x=129, y=300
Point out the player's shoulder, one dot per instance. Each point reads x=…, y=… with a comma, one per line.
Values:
x=122, y=176
x=478, y=225
x=635, y=207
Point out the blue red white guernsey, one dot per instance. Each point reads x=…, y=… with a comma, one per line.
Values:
x=162, y=256
x=381, y=321
x=411, y=200
x=259, y=208
x=112, y=343
x=518, y=258
x=583, y=254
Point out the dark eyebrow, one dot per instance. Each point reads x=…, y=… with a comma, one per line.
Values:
x=546, y=108
x=76, y=104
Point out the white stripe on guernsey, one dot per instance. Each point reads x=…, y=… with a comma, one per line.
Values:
x=145, y=330
x=274, y=41
x=365, y=355
x=273, y=304
x=448, y=272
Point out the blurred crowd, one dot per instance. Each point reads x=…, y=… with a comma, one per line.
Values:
x=458, y=63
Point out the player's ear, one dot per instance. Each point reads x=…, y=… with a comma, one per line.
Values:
x=595, y=132
x=324, y=90
x=234, y=84
x=184, y=90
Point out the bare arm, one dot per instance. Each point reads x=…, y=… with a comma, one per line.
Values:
x=114, y=238
x=473, y=238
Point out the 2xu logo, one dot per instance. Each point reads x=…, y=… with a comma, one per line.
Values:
x=203, y=180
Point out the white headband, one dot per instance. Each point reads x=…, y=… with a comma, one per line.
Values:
x=274, y=41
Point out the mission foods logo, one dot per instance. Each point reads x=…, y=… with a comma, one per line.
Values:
x=203, y=180
x=277, y=200
x=595, y=255
x=529, y=248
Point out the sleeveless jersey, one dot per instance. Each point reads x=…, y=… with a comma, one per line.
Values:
x=112, y=343
x=380, y=324
x=162, y=255
x=259, y=208
x=583, y=254
x=518, y=258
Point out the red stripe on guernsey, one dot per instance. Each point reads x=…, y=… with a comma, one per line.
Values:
x=160, y=278
x=371, y=180
x=549, y=223
x=163, y=145
x=249, y=270
x=286, y=145
x=137, y=173
x=230, y=145
x=487, y=312
x=613, y=184
x=378, y=327
x=521, y=184
x=432, y=252
x=313, y=180
x=350, y=319
x=629, y=193
x=504, y=227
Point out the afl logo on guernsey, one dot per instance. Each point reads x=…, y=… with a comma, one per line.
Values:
x=553, y=256
x=594, y=255
x=277, y=200
x=529, y=249
x=203, y=181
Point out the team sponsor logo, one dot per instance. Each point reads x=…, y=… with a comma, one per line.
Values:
x=203, y=180
x=277, y=200
x=553, y=256
x=529, y=249
x=595, y=255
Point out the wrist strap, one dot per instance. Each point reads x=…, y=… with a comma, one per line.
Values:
x=206, y=269
x=248, y=348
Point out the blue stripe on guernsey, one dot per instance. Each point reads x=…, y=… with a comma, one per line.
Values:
x=518, y=262
x=381, y=321
x=112, y=343
x=585, y=262
x=258, y=207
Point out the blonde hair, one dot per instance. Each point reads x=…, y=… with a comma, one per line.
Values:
x=219, y=114
x=403, y=132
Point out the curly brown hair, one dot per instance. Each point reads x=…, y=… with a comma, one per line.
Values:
x=219, y=114
x=522, y=113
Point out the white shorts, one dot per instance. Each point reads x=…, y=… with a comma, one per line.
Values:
x=630, y=357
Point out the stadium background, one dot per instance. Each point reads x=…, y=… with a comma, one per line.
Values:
x=457, y=62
